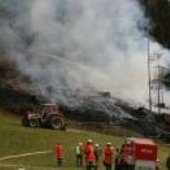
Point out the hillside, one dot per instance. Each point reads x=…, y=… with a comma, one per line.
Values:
x=16, y=140
x=14, y=88
x=101, y=107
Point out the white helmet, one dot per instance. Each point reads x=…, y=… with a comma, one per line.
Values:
x=80, y=143
x=96, y=145
x=89, y=141
x=109, y=143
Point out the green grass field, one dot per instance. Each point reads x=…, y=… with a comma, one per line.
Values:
x=15, y=140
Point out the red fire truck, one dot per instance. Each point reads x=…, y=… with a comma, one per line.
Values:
x=139, y=154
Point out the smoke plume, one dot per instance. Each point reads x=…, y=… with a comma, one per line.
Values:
x=90, y=45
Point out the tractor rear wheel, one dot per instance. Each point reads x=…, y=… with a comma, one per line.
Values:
x=56, y=123
x=33, y=123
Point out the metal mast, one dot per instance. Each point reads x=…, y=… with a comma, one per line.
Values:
x=159, y=88
x=148, y=60
x=159, y=72
x=149, y=76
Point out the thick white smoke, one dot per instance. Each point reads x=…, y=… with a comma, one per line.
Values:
x=75, y=44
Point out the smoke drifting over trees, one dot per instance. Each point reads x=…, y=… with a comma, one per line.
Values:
x=73, y=44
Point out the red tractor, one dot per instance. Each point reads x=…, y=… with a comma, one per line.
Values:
x=49, y=116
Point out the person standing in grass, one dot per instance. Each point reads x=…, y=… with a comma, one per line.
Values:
x=79, y=154
x=59, y=154
x=108, y=156
x=89, y=155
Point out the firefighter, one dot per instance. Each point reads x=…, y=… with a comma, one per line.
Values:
x=79, y=154
x=108, y=156
x=122, y=161
x=89, y=155
x=168, y=162
x=97, y=152
x=59, y=153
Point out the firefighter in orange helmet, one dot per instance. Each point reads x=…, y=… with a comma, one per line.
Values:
x=89, y=155
x=59, y=153
x=108, y=156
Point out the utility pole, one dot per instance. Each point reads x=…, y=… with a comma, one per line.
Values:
x=159, y=71
x=149, y=73
x=148, y=59
x=158, y=77
x=158, y=56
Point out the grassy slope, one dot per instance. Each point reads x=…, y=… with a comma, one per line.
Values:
x=15, y=139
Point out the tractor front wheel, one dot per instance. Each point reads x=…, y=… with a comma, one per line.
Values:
x=33, y=123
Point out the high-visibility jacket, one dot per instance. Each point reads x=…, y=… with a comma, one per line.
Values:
x=79, y=150
x=89, y=153
x=108, y=155
x=59, y=151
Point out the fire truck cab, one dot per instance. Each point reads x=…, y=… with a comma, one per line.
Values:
x=139, y=154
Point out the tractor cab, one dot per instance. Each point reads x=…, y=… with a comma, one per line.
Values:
x=49, y=109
